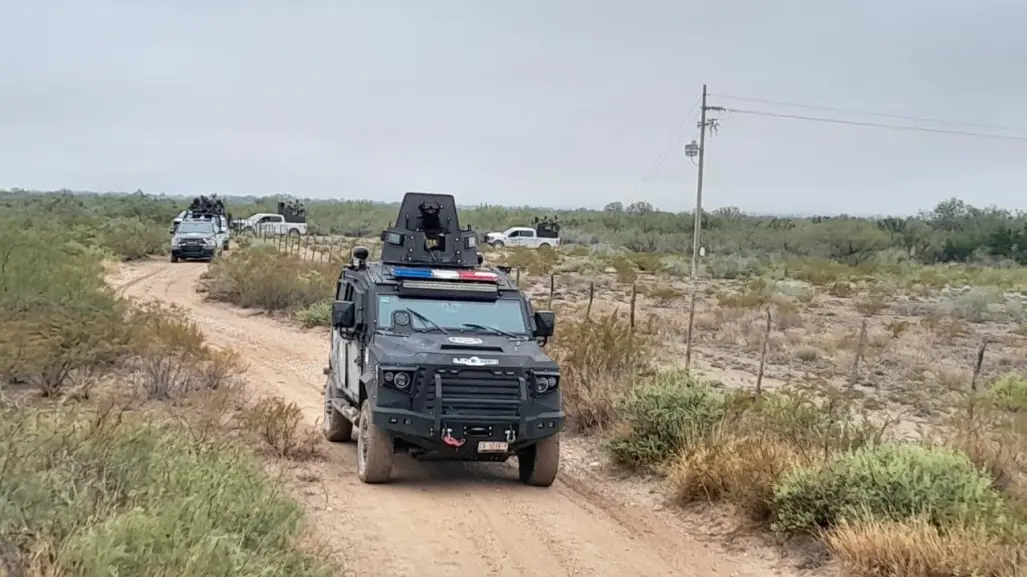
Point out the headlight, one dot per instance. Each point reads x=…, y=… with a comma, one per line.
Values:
x=546, y=383
x=176, y=241
x=397, y=379
x=209, y=241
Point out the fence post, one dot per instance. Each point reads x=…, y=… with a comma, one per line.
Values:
x=591, y=297
x=859, y=353
x=552, y=289
x=634, y=296
x=691, y=323
x=763, y=356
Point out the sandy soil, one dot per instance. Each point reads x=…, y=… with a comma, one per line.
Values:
x=449, y=519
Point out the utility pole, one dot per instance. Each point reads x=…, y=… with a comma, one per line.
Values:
x=703, y=125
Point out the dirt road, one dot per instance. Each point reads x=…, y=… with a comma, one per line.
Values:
x=439, y=519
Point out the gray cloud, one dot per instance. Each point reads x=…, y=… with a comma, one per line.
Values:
x=562, y=103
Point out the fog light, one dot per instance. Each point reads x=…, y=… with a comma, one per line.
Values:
x=393, y=420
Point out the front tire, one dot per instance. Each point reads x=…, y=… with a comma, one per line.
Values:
x=174, y=258
x=539, y=463
x=498, y=244
x=374, y=449
x=336, y=428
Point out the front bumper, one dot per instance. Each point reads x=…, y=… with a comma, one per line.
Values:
x=192, y=251
x=453, y=410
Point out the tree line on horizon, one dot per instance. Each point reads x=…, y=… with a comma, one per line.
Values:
x=953, y=231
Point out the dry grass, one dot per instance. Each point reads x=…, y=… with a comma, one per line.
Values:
x=916, y=548
x=599, y=360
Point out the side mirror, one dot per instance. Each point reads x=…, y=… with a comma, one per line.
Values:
x=545, y=323
x=343, y=316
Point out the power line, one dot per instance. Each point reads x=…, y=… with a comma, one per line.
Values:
x=878, y=125
x=675, y=138
x=869, y=113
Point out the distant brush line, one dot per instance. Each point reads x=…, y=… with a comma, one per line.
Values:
x=871, y=113
x=878, y=125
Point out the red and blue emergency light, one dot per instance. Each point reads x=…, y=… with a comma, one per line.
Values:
x=444, y=274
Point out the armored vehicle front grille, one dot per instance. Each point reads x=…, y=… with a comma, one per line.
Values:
x=469, y=392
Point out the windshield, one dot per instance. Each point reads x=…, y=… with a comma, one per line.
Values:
x=505, y=315
x=192, y=227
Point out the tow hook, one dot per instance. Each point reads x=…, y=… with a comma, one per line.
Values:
x=511, y=436
x=447, y=438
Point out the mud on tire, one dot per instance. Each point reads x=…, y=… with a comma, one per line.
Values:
x=375, y=449
x=539, y=463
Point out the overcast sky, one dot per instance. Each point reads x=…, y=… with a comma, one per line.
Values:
x=545, y=102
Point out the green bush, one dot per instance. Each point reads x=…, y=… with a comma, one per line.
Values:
x=664, y=415
x=1009, y=393
x=887, y=481
x=262, y=277
x=318, y=314
x=108, y=494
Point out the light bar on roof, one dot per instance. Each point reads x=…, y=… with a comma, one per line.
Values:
x=444, y=274
x=433, y=285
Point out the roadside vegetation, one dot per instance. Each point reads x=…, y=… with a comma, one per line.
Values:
x=889, y=423
x=124, y=441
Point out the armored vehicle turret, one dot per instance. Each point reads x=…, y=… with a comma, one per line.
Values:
x=438, y=356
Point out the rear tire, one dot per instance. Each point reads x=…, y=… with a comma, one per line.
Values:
x=336, y=428
x=374, y=449
x=539, y=463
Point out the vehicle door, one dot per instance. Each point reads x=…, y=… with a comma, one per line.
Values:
x=266, y=225
x=515, y=237
x=346, y=352
x=529, y=238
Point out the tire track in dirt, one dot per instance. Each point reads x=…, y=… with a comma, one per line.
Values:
x=435, y=519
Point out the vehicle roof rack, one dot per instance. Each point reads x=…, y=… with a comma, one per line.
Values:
x=427, y=233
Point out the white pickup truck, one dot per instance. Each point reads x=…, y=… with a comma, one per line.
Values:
x=521, y=236
x=267, y=223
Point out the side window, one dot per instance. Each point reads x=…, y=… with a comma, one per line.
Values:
x=516, y=233
x=528, y=234
x=264, y=219
x=340, y=286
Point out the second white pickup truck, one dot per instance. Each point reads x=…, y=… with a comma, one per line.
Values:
x=521, y=236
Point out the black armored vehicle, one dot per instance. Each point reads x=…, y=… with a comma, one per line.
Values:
x=438, y=356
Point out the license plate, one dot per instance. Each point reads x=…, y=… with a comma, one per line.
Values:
x=493, y=446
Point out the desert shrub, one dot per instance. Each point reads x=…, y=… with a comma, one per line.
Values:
x=1009, y=393
x=59, y=323
x=318, y=314
x=538, y=262
x=761, y=438
x=599, y=360
x=172, y=357
x=917, y=548
x=262, y=277
x=664, y=415
x=665, y=296
x=280, y=425
x=106, y=493
x=894, y=481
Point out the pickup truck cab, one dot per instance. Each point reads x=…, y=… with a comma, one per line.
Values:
x=520, y=236
x=272, y=224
